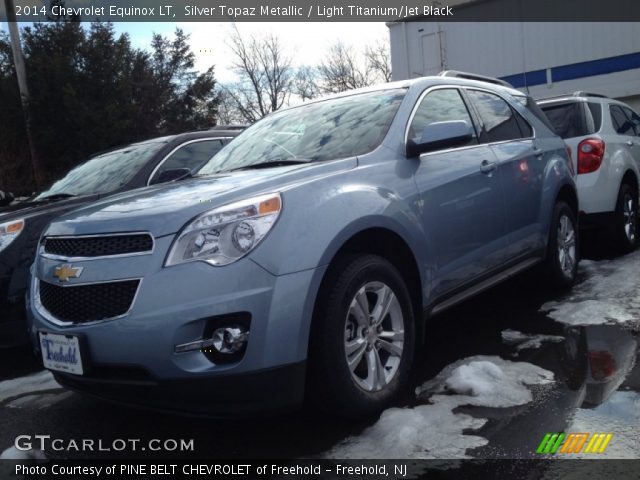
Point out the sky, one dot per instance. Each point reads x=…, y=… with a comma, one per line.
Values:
x=305, y=42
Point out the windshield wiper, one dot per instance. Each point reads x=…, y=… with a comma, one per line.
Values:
x=57, y=196
x=271, y=163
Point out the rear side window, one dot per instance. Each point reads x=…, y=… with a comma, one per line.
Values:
x=530, y=104
x=499, y=120
x=439, y=106
x=635, y=119
x=621, y=123
x=569, y=119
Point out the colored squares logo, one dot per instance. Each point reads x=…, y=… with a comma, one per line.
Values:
x=553, y=443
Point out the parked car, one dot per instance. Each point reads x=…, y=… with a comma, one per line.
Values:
x=604, y=137
x=302, y=259
x=21, y=224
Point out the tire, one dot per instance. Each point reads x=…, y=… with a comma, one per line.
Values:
x=561, y=263
x=339, y=326
x=625, y=223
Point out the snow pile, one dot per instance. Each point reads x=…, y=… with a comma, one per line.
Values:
x=485, y=382
x=610, y=294
x=434, y=430
x=37, y=382
x=525, y=341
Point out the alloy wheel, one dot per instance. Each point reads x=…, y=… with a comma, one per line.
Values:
x=374, y=336
x=566, y=246
x=630, y=218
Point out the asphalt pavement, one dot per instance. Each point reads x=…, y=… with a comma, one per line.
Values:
x=506, y=374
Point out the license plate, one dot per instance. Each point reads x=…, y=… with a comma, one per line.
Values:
x=61, y=353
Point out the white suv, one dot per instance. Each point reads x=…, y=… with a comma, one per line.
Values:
x=604, y=137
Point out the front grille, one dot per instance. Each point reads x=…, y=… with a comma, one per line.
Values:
x=87, y=303
x=99, y=246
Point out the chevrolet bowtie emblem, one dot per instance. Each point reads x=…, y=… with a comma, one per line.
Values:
x=64, y=272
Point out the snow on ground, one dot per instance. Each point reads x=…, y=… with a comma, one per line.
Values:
x=37, y=382
x=619, y=415
x=44, y=400
x=525, y=341
x=610, y=294
x=425, y=431
x=12, y=453
x=434, y=430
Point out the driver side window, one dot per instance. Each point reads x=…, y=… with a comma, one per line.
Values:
x=191, y=155
x=440, y=105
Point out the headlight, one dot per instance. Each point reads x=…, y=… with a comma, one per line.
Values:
x=9, y=231
x=226, y=234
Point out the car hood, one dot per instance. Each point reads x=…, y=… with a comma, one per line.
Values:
x=165, y=209
x=31, y=209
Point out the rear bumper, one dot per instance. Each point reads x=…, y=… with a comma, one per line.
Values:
x=269, y=390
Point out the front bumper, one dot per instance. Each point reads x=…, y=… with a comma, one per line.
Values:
x=173, y=306
x=270, y=390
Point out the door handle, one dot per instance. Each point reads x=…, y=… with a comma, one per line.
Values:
x=630, y=143
x=487, y=166
x=537, y=152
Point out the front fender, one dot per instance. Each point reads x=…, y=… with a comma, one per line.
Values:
x=307, y=238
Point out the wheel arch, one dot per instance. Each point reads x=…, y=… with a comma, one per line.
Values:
x=389, y=244
x=568, y=194
x=630, y=178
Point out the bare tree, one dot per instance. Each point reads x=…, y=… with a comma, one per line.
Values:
x=378, y=57
x=264, y=76
x=305, y=83
x=342, y=70
x=228, y=113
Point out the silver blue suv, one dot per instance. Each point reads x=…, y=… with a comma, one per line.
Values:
x=306, y=257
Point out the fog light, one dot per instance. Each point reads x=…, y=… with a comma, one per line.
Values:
x=230, y=340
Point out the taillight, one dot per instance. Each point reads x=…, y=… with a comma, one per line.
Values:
x=590, y=155
x=603, y=365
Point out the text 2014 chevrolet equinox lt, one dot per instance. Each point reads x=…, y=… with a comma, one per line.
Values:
x=304, y=258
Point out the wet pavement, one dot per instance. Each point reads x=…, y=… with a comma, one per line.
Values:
x=509, y=374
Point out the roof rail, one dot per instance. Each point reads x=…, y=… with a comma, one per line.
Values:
x=588, y=94
x=579, y=94
x=474, y=76
x=229, y=127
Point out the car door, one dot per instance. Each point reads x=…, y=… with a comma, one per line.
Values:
x=522, y=161
x=190, y=155
x=461, y=197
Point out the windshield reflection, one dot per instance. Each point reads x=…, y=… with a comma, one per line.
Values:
x=106, y=172
x=331, y=129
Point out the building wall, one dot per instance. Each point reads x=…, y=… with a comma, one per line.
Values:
x=545, y=59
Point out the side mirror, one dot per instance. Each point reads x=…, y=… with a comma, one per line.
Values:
x=5, y=198
x=171, y=175
x=437, y=135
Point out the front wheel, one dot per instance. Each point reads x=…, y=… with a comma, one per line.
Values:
x=562, y=248
x=362, y=343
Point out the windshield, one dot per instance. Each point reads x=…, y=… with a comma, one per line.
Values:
x=336, y=128
x=104, y=173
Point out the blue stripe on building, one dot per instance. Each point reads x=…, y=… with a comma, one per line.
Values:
x=591, y=68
